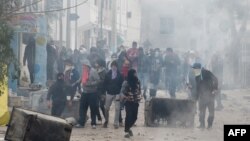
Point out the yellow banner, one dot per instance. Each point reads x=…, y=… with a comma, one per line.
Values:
x=4, y=112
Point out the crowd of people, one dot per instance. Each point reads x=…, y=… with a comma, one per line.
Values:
x=124, y=79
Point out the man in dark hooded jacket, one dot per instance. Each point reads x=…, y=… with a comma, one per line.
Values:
x=58, y=95
x=207, y=88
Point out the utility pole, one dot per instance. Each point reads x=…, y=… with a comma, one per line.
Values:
x=101, y=20
x=114, y=28
x=68, y=34
x=60, y=29
x=120, y=8
x=76, y=24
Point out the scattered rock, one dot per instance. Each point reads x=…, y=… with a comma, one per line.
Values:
x=193, y=138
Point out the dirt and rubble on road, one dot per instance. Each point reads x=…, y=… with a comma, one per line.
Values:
x=236, y=111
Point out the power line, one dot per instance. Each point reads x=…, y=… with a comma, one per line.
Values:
x=56, y=10
x=36, y=2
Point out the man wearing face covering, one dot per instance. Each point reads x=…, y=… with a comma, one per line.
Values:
x=207, y=88
x=89, y=97
x=71, y=78
x=131, y=93
x=58, y=95
x=113, y=84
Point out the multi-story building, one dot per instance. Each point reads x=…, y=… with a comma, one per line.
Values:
x=94, y=13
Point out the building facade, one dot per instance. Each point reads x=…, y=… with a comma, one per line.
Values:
x=96, y=22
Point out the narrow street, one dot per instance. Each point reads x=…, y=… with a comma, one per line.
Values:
x=59, y=57
x=236, y=111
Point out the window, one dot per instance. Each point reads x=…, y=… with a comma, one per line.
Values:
x=166, y=25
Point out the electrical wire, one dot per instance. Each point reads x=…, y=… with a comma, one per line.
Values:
x=56, y=10
x=36, y=2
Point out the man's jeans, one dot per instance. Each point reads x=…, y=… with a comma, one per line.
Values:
x=108, y=103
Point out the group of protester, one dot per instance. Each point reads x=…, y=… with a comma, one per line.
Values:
x=125, y=78
x=99, y=87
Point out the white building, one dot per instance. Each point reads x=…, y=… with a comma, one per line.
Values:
x=128, y=22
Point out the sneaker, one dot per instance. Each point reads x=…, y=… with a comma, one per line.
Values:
x=79, y=126
x=130, y=133
x=127, y=135
x=105, y=125
x=93, y=126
